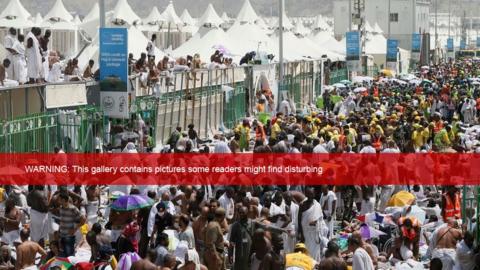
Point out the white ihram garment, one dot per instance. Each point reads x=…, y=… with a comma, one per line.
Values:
x=39, y=225
x=34, y=59
x=314, y=235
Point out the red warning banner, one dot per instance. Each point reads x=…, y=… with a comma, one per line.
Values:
x=240, y=169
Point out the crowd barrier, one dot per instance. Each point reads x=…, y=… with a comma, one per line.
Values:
x=75, y=131
x=218, y=99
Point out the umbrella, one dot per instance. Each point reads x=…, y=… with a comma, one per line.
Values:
x=415, y=81
x=401, y=198
x=339, y=85
x=387, y=72
x=222, y=49
x=127, y=135
x=368, y=232
x=62, y=263
x=360, y=89
x=345, y=82
x=418, y=213
x=11, y=171
x=131, y=202
x=426, y=82
x=476, y=83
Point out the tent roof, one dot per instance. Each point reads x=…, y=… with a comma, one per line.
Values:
x=287, y=24
x=15, y=9
x=170, y=15
x=247, y=14
x=187, y=18
x=261, y=23
x=16, y=23
x=225, y=17
x=369, y=28
x=204, y=45
x=58, y=11
x=123, y=11
x=301, y=29
x=256, y=38
x=320, y=23
x=38, y=19
x=93, y=13
x=77, y=20
x=210, y=16
x=376, y=44
x=154, y=17
x=377, y=29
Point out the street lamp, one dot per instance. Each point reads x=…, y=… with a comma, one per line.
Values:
x=280, y=36
x=101, y=4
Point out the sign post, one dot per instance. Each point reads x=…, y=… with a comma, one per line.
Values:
x=353, y=51
x=416, y=46
x=114, y=72
x=450, y=48
x=392, y=53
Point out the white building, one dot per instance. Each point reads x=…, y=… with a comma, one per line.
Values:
x=406, y=17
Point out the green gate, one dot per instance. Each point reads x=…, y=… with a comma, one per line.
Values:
x=338, y=75
x=73, y=131
x=235, y=106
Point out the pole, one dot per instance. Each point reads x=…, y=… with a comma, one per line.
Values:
x=389, y=19
x=349, y=15
x=101, y=5
x=449, y=17
x=280, y=41
x=436, y=32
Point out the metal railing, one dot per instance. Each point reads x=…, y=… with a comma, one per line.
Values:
x=73, y=131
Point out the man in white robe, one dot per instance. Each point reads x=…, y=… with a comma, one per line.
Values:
x=360, y=260
x=34, y=58
x=19, y=62
x=312, y=229
x=465, y=254
x=8, y=43
x=291, y=237
x=469, y=111
x=328, y=200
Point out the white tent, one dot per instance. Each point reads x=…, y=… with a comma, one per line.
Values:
x=205, y=45
x=187, y=18
x=38, y=19
x=376, y=44
x=225, y=18
x=300, y=29
x=257, y=39
x=124, y=12
x=137, y=42
x=260, y=22
x=59, y=13
x=15, y=15
x=301, y=48
x=326, y=40
x=170, y=15
x=287, y=24
x=93, y=13
x=77, y=20
x=369, y=28
x=210, y=17
x=320, y=24
x=154, y=17
x=377, y=29
x=247, y=14
x=15, y=9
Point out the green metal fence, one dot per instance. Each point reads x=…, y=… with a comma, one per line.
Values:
x=73, y=131
x=235, y=105
x=338, y=75
x=147, y=108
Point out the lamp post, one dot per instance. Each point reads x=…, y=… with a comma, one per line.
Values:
x=101, y=5
x=280, y=36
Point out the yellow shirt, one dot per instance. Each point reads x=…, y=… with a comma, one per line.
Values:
x=275, y=130
x=299, y=260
